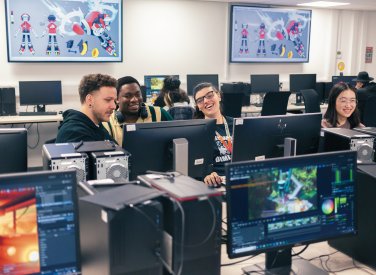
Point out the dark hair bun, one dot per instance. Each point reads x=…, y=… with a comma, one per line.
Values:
x=171, y=83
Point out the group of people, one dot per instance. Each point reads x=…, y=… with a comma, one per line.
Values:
x=107, y=104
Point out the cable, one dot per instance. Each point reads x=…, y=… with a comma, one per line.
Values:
x=38, y=137
x=240, y=261
x=211, y=230
x=300, y=252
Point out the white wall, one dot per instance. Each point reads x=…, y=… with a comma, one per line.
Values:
x=182, y=37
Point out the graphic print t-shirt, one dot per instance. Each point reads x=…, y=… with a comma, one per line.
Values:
x=222, y=153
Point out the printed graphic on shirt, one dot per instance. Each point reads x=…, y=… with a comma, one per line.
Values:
x=222, y=144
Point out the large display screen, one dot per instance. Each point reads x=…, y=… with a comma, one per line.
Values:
x=269, y=34
x=75, y=30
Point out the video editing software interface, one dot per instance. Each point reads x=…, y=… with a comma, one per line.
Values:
x=154, y=84
x=285, y=201
x=39, y=223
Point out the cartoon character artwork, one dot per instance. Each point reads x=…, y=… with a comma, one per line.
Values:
x=261, y=36
x=52, y=30
x=26, y=28
x=294, y=32
x=244, y=41
x=97, y=24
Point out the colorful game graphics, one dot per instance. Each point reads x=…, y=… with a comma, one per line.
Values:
x=93, y=26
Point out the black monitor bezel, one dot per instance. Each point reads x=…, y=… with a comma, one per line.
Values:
x=18, y=142
x=323, y=156
x=147, y=88
x=194, y=79
x=302, y=87
x=273, y=127
x=134, y=136
x=25, y=96
x=267, y=79
x=36, y=178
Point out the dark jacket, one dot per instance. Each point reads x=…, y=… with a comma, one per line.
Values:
x=76, y=127
x=363, y=95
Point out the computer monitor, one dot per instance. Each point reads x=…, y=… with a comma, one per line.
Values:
x=275, y=204
x=344, y=78
x=300, y=82
x=39, y=223
x=264, y=83
x=40, y=93
x=154, y=84
x=151, y=146
x=194, y=79
x=13, y=148
x=263, y=137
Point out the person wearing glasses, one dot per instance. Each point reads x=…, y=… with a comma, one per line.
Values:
x=342, y=109
x=208, y=106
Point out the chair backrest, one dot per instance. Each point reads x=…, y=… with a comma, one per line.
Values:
x=232, y=104
x=311, y=101
x=182, y=112
x=369, y=114
x=275, y=103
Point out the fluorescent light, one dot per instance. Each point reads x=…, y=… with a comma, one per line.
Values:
x=323, y=4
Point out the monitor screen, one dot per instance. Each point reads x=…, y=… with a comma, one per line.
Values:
x=263, y=83
x=194, y=79
x=39, y=223
x=279, y=203
x=154, y=84
x=150, y=145
x=40, y=93
x=263, y=137
x=13, y=148
x=300, y=82
x=344, y=78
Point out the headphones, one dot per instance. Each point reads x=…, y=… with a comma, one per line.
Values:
x=143, y=113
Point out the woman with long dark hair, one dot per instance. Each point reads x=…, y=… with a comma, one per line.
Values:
x=342, y=109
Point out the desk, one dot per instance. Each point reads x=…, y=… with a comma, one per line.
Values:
x=252, y=109
x=337, y=261
x=29, y=119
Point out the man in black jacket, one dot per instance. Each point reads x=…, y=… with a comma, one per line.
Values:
x=366, y=90
x=97, y=95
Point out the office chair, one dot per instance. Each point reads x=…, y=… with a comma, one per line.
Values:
x=311, y=101
x=369, y=113
x=232, y=104
x=275, y=103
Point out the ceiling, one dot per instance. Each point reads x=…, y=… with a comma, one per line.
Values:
x=354, y=4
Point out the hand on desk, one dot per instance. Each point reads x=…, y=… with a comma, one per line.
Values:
x=213, y=180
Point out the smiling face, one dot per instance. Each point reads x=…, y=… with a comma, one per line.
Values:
x=130, y=99
x=345, y=104
x=208, y=102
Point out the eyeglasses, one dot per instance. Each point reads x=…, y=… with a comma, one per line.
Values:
x=208, y=96
x=350, y=101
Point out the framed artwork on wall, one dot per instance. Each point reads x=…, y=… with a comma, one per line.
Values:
x=64, y=31
x=259, y=34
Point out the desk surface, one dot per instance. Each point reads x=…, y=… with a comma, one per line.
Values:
x=29, y=119
x=290, y=107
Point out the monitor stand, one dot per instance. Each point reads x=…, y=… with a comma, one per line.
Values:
x=41, y=108
x=180, y=155
x=280, y=262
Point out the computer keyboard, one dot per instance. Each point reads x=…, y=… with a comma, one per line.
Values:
x=37, y=113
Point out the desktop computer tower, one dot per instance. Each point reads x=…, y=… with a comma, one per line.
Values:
x=63, y=156
x=124, y=241
x=192, y=226
x=7, y=101
x=336, y=139
x=110, y=165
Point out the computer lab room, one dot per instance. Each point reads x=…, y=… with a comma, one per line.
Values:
x=191, y=137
